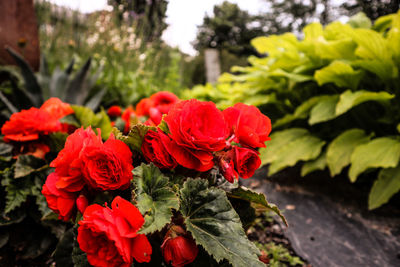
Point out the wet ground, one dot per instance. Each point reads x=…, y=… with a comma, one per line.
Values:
x=329, y=223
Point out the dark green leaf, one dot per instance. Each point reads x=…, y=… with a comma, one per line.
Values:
x=8, y=104
x=79, y=258
x=258, y=198
x=5, y=151
x=215, y=225
x=27, y=164
x=63, y=252
x=31, y=84
x=154, y=197
x=58, y=84
x=94, y=102
x=76, y=93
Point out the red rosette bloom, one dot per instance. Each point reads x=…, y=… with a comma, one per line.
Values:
x=197, y=125
x=109, y=236
x=143, y=107
x=154, y=150
x=179, y=247
x=129, y=112
x=59, y=201
x=107, y=166
x=163, y=101
x=68, y=163
x=189, y=158
x=114, y=111
x=27, y=125
x=250, y=127
x=56, y=108
x=197, y=129
x=246, y=161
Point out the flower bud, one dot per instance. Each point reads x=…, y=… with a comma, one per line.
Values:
x=82, y=203
x=114, y=111
x=179, y=247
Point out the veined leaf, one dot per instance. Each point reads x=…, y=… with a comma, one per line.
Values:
x=339, y=73
x=314, y=165
x=257, y=198
x=371, y=44
x=383, y=152
x=349, y=99
x=384, y=69
x=278, y=140
x=387, y=184
x=104, y=124
x=288, y=147
x=136, y=135
x=17, y=190
x=5, y=151
x=27, y=164
x=215, y=225
x=155, y=199
x=87, y=117
x=324, y=110
x=340, y=149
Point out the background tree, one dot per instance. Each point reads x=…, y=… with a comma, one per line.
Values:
x=147, y=16
x=372, y=8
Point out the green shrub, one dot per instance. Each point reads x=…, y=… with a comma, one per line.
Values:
x=333, y=97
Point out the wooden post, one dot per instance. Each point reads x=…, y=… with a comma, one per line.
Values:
x=19, y=30
x=213, y=68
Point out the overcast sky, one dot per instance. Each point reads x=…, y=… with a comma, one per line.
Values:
x=183, y=16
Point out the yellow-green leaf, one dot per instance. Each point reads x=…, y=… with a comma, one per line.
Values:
x=349, y=99
x=383, y=152
x=340, y=149
x=387, y=184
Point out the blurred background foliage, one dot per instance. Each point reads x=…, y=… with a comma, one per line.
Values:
x=124, y=43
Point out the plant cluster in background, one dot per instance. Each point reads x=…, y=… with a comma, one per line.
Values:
x=130, y=65
x=332, y=96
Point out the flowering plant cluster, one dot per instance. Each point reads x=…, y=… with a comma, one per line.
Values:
x=160, y=183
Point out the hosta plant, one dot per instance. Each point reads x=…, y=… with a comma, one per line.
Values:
x=163, y=190
x=333, y=97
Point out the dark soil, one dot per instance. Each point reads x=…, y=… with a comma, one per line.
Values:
x=329, y=220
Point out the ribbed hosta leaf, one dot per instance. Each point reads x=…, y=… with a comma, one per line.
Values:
x=351, y=99
x=387, y=184
x=340, y=149
x=215, y=225
x=288, y=147
x=324, y=110
x=381, y=152
x=154, y=197
x=339, y=73
x=314, y=165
